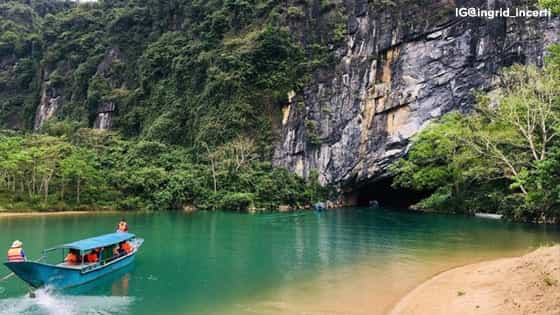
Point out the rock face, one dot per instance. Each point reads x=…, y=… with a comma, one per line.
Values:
x=402, y=66
x=105, y=110
x=49, y=103
x=104, y=118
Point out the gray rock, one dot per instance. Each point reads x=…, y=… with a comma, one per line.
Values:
x=402, y=66
x=49, y=103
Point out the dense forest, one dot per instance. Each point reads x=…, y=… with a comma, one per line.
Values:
x=91, y=169
x=192, y=92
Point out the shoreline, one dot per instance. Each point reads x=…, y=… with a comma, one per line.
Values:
x=419, y=285
x=33, y=213
x=508, y=285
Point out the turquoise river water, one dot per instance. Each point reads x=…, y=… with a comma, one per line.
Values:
x=345, y=261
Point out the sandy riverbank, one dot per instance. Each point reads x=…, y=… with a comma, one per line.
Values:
x=529, y=284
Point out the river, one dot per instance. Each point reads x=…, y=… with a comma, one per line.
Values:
x=342, y=261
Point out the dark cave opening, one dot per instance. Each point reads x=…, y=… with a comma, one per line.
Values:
x=386, y=196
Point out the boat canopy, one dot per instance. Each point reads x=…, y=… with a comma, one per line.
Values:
x=98, y=241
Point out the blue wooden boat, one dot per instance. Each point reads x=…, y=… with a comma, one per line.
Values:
x=63, y=275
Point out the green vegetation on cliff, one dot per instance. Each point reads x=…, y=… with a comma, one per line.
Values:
x=553, y=5
x=191, y=73
x=505, y=156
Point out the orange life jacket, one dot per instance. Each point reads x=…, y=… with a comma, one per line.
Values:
x=126, y=247
x=92, y=257
x=15, y=255
x=123, y=227
x=72, y=258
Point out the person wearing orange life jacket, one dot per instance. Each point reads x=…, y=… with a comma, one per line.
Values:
x=126, y=247
x=72, y=258
x=122, y=226
x=93, y=256
x=16, y=253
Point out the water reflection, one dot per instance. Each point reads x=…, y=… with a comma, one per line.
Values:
x=116, y=283
x=120, y=288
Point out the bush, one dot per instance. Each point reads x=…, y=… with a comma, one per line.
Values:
x=236, y=201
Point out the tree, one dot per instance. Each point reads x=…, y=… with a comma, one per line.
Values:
x=518, y=133
x=503, y=156
x=81, y=167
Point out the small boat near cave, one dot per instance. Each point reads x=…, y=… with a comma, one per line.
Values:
x=62, y=275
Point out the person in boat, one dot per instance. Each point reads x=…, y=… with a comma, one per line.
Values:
x=122, y=226
x=117, y=251
x=73, y=257
x=93, y=256
x=126, y=247
x=16, y=253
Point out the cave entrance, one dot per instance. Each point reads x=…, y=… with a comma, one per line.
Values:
x=387, y=196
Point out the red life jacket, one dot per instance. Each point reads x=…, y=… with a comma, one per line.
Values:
x=126, y=247
x=72, y=258
x=15, y=255
x=92, y=258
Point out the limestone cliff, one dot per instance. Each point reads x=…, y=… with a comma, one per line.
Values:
x=403, y=64
x=51, y=101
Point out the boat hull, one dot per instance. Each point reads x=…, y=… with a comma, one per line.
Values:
x=57, y=277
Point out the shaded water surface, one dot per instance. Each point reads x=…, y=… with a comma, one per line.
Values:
x=347, y=261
